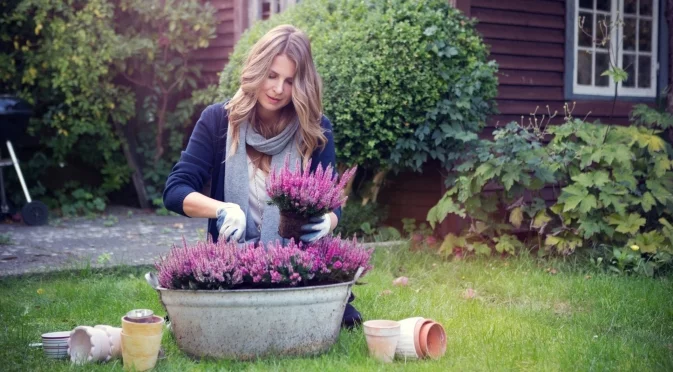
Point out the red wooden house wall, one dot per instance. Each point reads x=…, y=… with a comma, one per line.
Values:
x=216, y=55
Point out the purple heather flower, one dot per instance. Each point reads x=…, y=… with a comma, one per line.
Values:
x=222, y=265
x=307, y=193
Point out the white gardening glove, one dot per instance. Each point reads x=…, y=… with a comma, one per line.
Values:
x=231, y=222
x=316, y=229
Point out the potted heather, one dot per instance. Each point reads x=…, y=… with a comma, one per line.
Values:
x=301, y=194
x=244, y=302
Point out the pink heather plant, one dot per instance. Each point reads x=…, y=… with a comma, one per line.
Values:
x=306, y=193
x=201, y=266
x=223, y=265
x=337, y=260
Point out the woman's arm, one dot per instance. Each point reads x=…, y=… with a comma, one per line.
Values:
x=328, y=157
x=193, y=170
x=199, y=205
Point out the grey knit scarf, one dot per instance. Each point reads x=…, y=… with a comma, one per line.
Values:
x=237, y=179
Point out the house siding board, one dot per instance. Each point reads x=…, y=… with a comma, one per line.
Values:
x=522, y=6
x=525, y=48
x=508, y=32
x=527, y=38
x=516, y=18
x=530, y=93
x=528, y=63
x=530, y=78
x=222, y=4
x=213, y=58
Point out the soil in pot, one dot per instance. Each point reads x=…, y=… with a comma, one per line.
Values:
x=290, y=225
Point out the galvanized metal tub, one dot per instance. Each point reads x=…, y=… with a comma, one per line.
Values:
x=248, y=324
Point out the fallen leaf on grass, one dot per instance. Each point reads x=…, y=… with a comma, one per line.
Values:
x=587, y=277
x=402, y=281
x=386, y=292
x=469, y=294
x=562, y=308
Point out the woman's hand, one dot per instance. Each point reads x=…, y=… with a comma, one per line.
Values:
x=231, y=222
x=318, y=227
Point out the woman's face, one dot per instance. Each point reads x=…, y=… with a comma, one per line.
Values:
x=276, y=91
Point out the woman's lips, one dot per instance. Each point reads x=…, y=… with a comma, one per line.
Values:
x=273, y=100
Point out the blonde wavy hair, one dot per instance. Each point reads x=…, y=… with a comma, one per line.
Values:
x=306, y=102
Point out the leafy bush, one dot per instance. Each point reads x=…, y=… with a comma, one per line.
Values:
x=404, y=80
x=46, y=47
x=89, y=67
x=76, y=200
x=615, y=190
x=360, y=220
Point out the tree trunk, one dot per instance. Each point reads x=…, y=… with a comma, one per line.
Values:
x=377, y=182
x=137, y=177
x=161, y=122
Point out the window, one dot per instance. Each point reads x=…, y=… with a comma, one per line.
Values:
x=633, y=46
x=263, y=9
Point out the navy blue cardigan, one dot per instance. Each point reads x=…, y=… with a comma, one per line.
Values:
x=203, y=162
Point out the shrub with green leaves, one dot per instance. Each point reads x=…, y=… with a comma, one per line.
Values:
x=91, y=67
x=615, y=189
x=57, y=56
x=404, y=81
x=361, y=220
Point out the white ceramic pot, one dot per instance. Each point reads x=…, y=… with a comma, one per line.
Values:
x=88, y=344
x=408, y=346
x=114, y=335
x=55, y=344
x=382, y=337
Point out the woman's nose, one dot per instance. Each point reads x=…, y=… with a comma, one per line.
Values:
x=278, y=87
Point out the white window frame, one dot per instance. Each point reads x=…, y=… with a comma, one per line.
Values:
x=616, y=38
x=255, y=8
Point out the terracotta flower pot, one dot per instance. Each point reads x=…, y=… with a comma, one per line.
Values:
x=88, y=344
x=290, y=225
x=114, y=335
x=433, y=340
x=421, y=336
x=382, y=337
x=151, y=327
x=140, y=353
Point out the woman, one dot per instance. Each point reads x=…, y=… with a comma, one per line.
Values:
x=276, y=113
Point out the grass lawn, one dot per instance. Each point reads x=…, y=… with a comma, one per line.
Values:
x=525, y=315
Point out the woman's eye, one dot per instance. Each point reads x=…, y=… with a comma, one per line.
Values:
x=289, y=82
